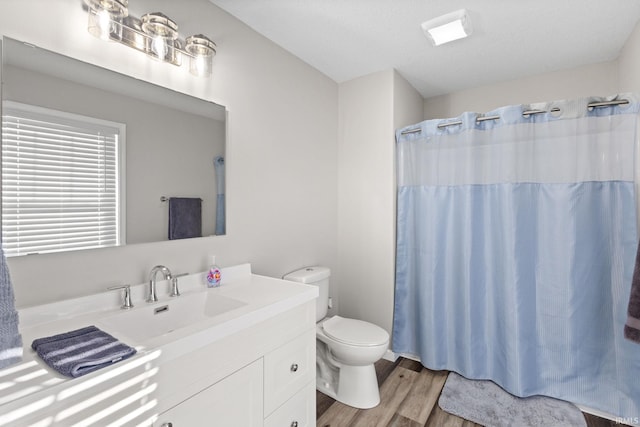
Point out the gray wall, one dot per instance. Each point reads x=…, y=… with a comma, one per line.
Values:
x=371, y=108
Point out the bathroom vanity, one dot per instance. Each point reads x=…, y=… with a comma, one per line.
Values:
x=242, y=354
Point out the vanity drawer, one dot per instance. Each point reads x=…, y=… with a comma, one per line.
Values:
x=234, y=401
x=288, y=369
x=299, y=411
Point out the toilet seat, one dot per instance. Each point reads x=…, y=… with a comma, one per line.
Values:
x=354, y=332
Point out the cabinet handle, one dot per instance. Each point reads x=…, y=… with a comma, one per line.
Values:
x=294, y=368
x=167, y=425
x=294, y=424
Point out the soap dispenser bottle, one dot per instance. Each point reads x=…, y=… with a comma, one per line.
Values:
x=214, y=276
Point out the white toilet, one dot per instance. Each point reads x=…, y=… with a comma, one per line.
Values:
x=346, y=349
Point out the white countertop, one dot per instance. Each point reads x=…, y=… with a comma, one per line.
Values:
x=263, y=298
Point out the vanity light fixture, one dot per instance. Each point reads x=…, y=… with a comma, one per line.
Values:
x=154, y=34
x=446, y=28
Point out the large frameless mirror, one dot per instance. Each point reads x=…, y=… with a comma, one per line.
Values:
x=126, y=148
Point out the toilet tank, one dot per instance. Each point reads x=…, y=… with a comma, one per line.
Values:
x=316, y=276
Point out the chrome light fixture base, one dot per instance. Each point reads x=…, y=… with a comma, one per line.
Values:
x=154, y=34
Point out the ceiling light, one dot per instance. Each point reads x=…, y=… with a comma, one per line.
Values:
x=452, y=26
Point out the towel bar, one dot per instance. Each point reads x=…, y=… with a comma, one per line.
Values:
x=166, y=199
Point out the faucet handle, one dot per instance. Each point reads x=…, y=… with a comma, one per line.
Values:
x=175, y=292
x=127, y=304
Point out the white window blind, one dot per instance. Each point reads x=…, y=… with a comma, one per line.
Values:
x=60, y=181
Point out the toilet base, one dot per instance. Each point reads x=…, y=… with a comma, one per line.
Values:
x=357, y=386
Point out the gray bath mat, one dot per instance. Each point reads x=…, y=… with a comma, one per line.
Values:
x=485, y=403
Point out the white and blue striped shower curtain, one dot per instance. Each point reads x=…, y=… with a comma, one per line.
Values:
x=516, y=241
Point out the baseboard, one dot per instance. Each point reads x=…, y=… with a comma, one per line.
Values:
x=390, y=356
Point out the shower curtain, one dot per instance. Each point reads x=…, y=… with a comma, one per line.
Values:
x=516, y=242
x=218, y=164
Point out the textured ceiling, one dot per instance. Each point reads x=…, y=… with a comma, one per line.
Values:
x=345, y=39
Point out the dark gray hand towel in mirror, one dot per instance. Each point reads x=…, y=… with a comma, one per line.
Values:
x=185, y=218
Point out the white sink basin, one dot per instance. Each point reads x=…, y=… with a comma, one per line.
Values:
x=143, y=323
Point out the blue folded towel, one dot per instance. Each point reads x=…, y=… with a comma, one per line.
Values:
x=185, y=218
x=79, y=352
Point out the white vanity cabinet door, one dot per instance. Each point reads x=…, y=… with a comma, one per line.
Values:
x=299, y=411
x=235, y=401
x=288, y=369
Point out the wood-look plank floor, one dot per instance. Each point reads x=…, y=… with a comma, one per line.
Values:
x=409, y=396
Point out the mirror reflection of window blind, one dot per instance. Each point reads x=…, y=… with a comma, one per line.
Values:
x=59, y=181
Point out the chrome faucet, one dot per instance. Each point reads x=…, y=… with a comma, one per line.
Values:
x=152, y=281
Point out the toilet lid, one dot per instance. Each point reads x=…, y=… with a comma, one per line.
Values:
x=354, y=332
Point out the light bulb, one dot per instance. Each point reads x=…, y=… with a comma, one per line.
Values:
x=104, y=22
x=159, y=47
x=201, y=65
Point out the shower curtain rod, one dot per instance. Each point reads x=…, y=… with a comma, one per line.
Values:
x=525, y=113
